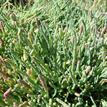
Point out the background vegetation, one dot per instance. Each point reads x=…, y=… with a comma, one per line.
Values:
x=53, y=53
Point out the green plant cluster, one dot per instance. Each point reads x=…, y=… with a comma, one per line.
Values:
x=53, y=54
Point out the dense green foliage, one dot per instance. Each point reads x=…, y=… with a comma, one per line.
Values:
x=53, y=54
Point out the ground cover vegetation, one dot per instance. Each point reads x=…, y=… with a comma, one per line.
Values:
x=53, y=53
